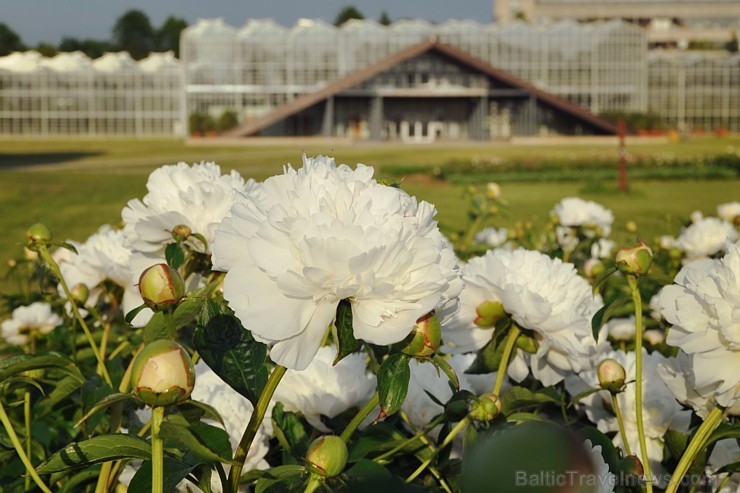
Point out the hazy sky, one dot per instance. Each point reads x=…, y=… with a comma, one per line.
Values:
x=50, y=20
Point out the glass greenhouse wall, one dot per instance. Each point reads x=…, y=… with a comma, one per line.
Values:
x=71, y=94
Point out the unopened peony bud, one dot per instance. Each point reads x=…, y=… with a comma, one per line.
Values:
x=425, y=339
x=634, y=259
x=489, y=312
x=38, y=236
x=593, y=268
x=163, y=373
x=486, y=408
x=327, y=456
x=161, y=287
x=611, y=375
x=80, y=292
x=631, y=466
x=181, y=232
x=654, y=336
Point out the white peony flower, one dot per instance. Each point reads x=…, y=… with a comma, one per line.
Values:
x=576, y=212
x=235, y=410
x=666, y=242
x=104, y=256
x=621, y=329
x=660, y=409
x=603, y=481
x=36, y=317
x=696, y=216
x=541, y=294
x=704, y=307
x=196, y=196
x=602, y=248
x=307, y=239
x=729, y=211
x=492, y=237
x=705, y=238
x=323, y=389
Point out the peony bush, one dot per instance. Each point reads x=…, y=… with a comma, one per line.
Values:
x=317, y=332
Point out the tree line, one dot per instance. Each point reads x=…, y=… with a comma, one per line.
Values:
x=133, y=32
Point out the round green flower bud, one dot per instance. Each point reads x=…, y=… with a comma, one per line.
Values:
x=635, y=258
x=486, y=408
x=631, y=466
x=327, y=456
x=163, y=373
x=611, y=375
x=80, y=293
x=161, y=287
x=38, y=236
x=181, y=232
x=425, y=338
x=489, y=312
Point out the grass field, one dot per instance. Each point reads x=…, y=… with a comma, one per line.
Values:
x=75, y=186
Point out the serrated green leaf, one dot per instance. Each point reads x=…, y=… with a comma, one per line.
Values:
x=231, y=351
x=102, y=448
x=344, y=332
x=206, y=441
x=174, y=255
x=174, y=471
x=393, y=383
x=604, y=314
x=521, y=397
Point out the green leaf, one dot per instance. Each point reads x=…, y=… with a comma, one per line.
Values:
x=729, y=468
x=174, y=471
x=231, y=351
x=155, y=328
x=290, y=432
x=174, y=255
x=102, y=448
x=608, y=450
x=523, y=417
x=73, y=484
x=188, y=310
x=583, y=395
x=343, y=331
x=378, y=438
x=202, y=239
x=487, y=360
x=130, y=316
x=206, y=441
x=441, y=363
x=106, y=401
x=26, y=362
x=602, y=279
x=520, y=397
x=676, y=442
x=724, y=430
x=62, y=390
x=393, y=383
x=281, y=478
x=70, y=247
x=605, y=313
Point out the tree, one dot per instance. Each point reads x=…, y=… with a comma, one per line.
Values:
x=134, y=33
x=348, y=12
x=9, y=41
x=733, y=45
x=46, y=49
x=168, y=35
x=93, y=48
x=384, y=19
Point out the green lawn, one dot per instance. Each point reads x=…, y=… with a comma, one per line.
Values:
x=75, y=186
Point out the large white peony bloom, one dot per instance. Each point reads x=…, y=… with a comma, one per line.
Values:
x=660, y=409
x=105, y=256
x=307, y=239
x=706, y=237
x=541, y=294
x=36, y=317
x=196, y=196
x=729, y=211
x=575, y=212
x=704, y=307
x=325, y=390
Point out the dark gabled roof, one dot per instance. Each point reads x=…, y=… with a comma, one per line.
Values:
x=333, y=88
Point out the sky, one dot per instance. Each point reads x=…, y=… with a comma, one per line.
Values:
x=50, y=20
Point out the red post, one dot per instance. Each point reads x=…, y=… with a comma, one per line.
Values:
x=622, y=157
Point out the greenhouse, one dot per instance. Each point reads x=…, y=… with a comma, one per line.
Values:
x=71, y=94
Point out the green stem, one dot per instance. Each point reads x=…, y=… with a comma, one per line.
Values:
x=620, y=421
x=102, y=370
x=19, y=450
x=504, y=363
x=240, y=456
x=359, y=417
x=27, y=418
x=313, y=484
x=470, y=234
x=157, y=451
x=697, y=443
x=448, y=439
x=637, y=298
x=102, y=484
x=420, y=435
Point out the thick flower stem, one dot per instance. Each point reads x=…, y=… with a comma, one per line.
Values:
x=448, y=439
x=514, y=332
x=314, y=482
x=419, y=435
x=157, y=451
x=637, y=298
x=240, y=456
x=620, y=421
x=102, y=370
x=697, y=443
x=359, y=417
x=19, y=449
x=27, y=419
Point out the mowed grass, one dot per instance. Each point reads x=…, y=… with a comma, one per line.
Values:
x=75, y=186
